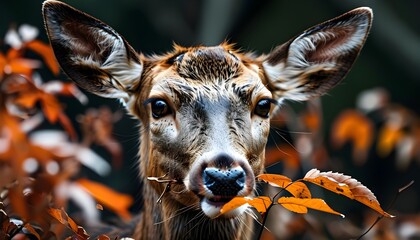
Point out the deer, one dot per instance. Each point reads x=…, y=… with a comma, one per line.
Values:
x=204, y=111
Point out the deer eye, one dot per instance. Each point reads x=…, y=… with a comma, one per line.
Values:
x=262, y=108
x=159, y=108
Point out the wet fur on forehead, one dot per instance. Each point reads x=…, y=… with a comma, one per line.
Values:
x=214, y=64
x=207, y=72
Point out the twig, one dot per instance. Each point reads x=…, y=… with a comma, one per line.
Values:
x=400, y=190
x=269, y=207
x=163, y=180
x=168, y=186
x=264, y=220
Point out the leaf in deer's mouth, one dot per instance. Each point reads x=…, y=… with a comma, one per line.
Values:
x=212, y=207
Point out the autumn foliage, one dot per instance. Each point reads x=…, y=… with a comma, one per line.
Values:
x=301, y=198
x=39, y=166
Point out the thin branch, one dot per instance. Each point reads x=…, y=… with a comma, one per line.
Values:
x=400, y=190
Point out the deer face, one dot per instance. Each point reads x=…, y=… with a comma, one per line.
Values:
x=204, y=111
x=208, y=116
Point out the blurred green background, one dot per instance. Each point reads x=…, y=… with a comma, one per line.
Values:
x=390, y=58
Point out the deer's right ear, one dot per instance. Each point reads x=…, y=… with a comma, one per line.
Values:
x=318, y=59
x=90, y=52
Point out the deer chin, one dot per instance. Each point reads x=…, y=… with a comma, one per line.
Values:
x=211, y=207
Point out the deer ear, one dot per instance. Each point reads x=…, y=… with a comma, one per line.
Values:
x=90, y=52
x=319, y=58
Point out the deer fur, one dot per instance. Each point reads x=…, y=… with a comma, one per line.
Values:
x=204, y=112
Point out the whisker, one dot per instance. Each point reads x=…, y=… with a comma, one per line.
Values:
x=254, y=216
x=242, y=221
x=202, y=219
x=287, y=141
x=277, y=146
x=291, y=132
x=177, y=213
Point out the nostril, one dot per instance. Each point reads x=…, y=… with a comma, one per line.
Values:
x=224, y=182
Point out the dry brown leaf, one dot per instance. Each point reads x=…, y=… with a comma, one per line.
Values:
x=57, y=215
x=347, y=186
x=32, y=231
x=6, y=226
x=61, y=216
x=103, y=237
x=97, y=126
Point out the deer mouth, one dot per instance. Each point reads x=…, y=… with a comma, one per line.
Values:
x=218, y=181
x=218, y=201
x=211, y=207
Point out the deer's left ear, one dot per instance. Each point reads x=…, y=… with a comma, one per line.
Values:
x=90, y=52
x=319, y=58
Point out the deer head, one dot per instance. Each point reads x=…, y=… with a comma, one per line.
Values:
x=204, y=111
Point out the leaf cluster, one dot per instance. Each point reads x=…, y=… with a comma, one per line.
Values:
x=39, y=168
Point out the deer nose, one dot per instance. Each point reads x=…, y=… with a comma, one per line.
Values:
x=224, y=182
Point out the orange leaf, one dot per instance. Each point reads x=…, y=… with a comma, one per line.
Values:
x=233, y=204
x=57, y=215
x=14, y=53
x=312, y=120
x=300, y=205
x=32, y=231
x=28, y=101
x=388, y=138
x=19, y=204
x=346, y=186
x=29, y=95
x=46, y=53
x=259, y=203
x=103, y=237
x=275, y=180
x=72, y=224
x=297, y=189
x=51, y=107
x=352, y=126
x=23, y=66
x=3, y=63
x=67, y=125
x=115, y=201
